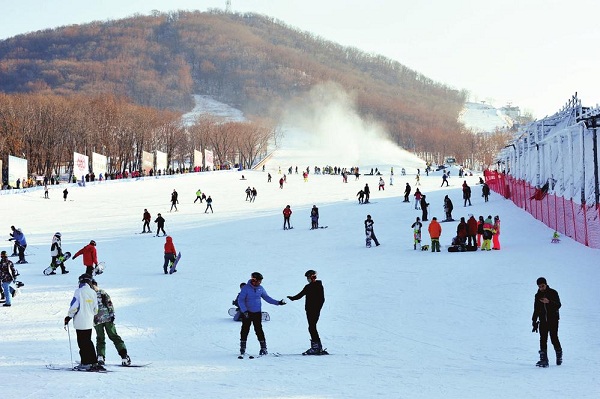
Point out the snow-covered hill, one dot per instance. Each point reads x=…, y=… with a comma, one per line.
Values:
x=482, y=117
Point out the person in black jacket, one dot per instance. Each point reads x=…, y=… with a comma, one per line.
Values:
x=546, y=308
x=315, y=298
x=424, y=206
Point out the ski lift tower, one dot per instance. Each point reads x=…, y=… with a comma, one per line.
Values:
x=228, y=6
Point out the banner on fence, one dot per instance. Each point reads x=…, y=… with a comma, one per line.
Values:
x=147, y=162
x=161, y=160
x=197, y=158
x=80, y=165
x=17, y=169
x=99, y=165
x=208, y=159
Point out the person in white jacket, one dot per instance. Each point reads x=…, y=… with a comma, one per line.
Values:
x=84, y=306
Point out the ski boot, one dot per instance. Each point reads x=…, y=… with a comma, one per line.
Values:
x=543, y=360
x=559, y=357
x=242, y=349
x=126, y=361
x=263, y=348
x=314, y=348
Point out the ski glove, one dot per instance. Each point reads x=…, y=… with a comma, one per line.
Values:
x=282, y=302
x=67, y=320
x=535, y=325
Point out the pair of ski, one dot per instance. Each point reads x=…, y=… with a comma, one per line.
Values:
x=277, y=354
x=69, y=368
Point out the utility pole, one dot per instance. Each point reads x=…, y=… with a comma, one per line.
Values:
x=228, y=6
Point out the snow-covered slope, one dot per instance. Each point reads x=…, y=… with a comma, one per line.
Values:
x=481, y=117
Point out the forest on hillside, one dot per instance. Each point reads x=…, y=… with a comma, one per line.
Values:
x=249, y=61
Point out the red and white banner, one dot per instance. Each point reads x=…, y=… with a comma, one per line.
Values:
x=80, y=165
x=208, y=159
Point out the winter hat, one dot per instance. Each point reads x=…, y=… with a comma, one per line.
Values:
x=541, y=280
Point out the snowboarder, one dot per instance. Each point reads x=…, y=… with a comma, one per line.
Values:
x=287, y=213
x=461, y=232
x=160, y=225
x=471, y=231
x=83, y=308
x=416, y=226
x=146, y=219
x=545, y=319
x=448, y=208
x=250, y=303
x=466, y=193
x=104, y=320
x=369, y=230
x=7, y=276
x=208, y=205
x=55, y=252
x=314, y=217
x=407, y=192
x=174, y=200
x=435, y=231
x=381, y=184
x=90, y=257
x=170, y=253
x=315, y=298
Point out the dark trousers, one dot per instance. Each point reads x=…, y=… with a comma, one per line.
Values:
x=286, y=220
x=22, y=252
x=313, y=318
x=146, y=224
x=169, y=258
x=471, y=240
x=86, y=346
x=374, y=238
x=161, y=228
x=89, y=270
x=549, y=327
x=208, y=206
x=254, y=318
x=111, y=331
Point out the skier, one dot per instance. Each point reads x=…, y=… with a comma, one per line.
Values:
x=83, y=308
x=55, y=252
x=254, y=194
x=170, y=253
x=208, y=205
x=174, y=200
x=248, y=194
x=407, y=192
x=418, y=196
x=424, y=206
x=19, y=238
x=496, y=231
x=90, y=257
x=435, y=231
x=314, y=217
x=287, y=213
x=104, y=320
x=198, y=196
x=546, y=308
x=7, y=276
x=367, y=191
x=444, y=180
x=281, y=183
x=315, y=298
x=369, y=230
x=381, y=184
x=269, y=177
x=250, y=305
x=15, y=252
x=416, y=226
x=160, y=225
x=146, y=219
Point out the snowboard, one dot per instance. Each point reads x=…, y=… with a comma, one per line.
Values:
x=368, y=238
x=233, y=311
x=59, y=261
x=99, y=269
x=173, y=267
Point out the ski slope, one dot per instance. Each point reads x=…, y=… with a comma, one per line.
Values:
x=398, y=323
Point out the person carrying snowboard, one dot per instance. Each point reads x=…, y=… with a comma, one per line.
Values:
x=160, y=225
x=287, y=213
x=104, y=321
x=83, y=308
x=55, y=253
x=369, y=230
x=7, y=276
x=90, y=257
x=416, y=226
x=315, y=298
x=170, y=253
x=250, y=302
x=314, y=217
x=545, y=318
x=146, y=219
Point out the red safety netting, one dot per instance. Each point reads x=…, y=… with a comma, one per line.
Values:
x=578, y=221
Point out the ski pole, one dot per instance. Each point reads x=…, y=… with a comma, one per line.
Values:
x=70, y=349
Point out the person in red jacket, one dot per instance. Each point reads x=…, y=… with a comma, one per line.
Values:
x=90, y=257
x=170, y=253
x=287, y=212
x=146, y=219
x=471, y=230
x=435, y=231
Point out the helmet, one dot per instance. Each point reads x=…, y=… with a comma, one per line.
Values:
x=85, y=278
x=57, y=234
x=257, y=276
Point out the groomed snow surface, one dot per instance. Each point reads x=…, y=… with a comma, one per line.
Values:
x=398, y=323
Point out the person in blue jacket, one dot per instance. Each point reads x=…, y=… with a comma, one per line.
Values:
x=249, y=301
x=21, y=242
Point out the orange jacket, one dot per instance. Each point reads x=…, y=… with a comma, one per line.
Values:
x=435, y=229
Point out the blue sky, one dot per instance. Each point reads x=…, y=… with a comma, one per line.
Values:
x=535, y=54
